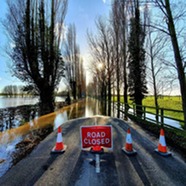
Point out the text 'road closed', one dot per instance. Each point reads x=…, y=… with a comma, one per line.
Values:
x=96, y=136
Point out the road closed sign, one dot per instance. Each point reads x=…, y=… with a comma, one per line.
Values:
x=96, y=136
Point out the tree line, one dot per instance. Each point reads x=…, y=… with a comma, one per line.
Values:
x=36, y=29
x=14, y=90
x=139, y=47
x=21, y=90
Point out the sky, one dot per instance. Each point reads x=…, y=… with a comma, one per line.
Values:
x=5, y=76
x=82, y=13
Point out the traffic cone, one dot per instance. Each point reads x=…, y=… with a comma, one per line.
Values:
x=59, y=147
x=162, y=149
x=128, y=149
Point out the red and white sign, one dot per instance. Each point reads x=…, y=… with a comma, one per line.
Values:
x=96, y=135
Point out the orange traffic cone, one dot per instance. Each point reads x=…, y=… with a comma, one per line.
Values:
x=59, y=147
x=128, y=149
x=162, y=149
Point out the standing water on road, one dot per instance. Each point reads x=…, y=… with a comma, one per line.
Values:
x=8, y=140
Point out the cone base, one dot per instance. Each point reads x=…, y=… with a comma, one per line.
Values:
x=54, y=151
x=97, y=152
x=163, y=153
x=133, y=152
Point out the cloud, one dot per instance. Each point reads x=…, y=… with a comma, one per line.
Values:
x=104, y=1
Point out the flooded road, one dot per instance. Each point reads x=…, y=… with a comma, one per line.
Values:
x=84, y=108
x=9, y=138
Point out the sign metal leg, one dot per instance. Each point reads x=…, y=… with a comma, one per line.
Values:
x=97, y=163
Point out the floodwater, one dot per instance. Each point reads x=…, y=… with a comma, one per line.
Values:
x=9, y=138
x=19, y=100
x=25, y=111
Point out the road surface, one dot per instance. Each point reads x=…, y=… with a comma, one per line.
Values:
x=77, y=168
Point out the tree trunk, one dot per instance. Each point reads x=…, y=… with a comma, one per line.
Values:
x=109, y=96
x=124, y=30
x=47, y=102
x=154, y=78
x=139, y=107
x=118, y=79
x=125, y=91
x=73, y=86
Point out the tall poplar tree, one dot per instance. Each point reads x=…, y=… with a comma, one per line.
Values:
x=35, y=28
x=137, y=67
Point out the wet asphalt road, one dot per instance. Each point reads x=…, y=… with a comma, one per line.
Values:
x=76, y=167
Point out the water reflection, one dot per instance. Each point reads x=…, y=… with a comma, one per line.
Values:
x=13, y=116
x=6, y=102
x=17, y=101
x=13, y=119
x=86, y=108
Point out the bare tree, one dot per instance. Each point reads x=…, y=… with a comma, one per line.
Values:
x=154, y=49
x=97, y=67
x=124, y=24
x=102, y=51
x=116, y=24
x=122, y=10
x=165, y=7
x=36, y=56
x=81, y=80
x=73, y=62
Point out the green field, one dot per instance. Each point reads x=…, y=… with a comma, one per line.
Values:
x=165, y=102
x=168, y=102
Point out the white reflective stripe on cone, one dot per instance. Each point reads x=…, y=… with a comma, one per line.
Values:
x=129, y=139
x=59, y=137
x=162, y=140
